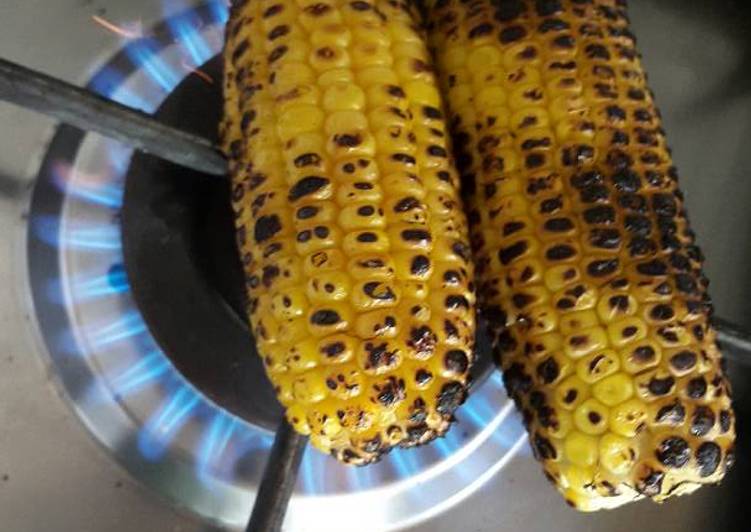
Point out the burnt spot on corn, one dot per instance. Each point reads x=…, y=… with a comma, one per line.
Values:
x=673, y=452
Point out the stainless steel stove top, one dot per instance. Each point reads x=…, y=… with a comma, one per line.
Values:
x=54, y=475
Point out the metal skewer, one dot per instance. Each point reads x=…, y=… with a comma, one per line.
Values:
x=278, y=480
x=86, y=110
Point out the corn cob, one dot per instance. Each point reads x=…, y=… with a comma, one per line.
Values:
x=587, y=270
x=349, y=221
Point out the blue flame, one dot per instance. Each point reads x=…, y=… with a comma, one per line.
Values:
x=146, y=371
x=159, y=431
x=129, y=325
x=215, y=442
x=96, y=238
x=87, y=287
x=219, y=11
x=186, y=31
x=145, y=54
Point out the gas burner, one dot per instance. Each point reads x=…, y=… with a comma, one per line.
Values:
x=138, y=296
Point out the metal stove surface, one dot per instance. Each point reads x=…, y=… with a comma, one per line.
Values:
x=52, y=475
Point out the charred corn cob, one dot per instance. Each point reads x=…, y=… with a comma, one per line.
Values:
x=351, y=230
x=587, y=269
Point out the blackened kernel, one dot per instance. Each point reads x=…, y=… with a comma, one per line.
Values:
x=553, y=24
x=544, y=450
x=456, y=361
x=416, y=235
x=726, y=420
x=422, y=377
x=454, y=302
x=596, y=51
x=306, y=186
x=366, y=210
x=594, y=194
x=626, y=181
x=644, y=354
x=641, y=247
x=558, y=225
x=655, y=267
x=321, y=231
x=560, y=252
x=564, y=41
x=304, y=236
x=432, y=113
x=673, y=414
x=307, y=159
x=407, y=204
x=602, y=268
x=673, y=452
x=510, y=228
x=605, y=238
x=367, y=237
x=325, y=317
x=548, y=370
x=708, y=457
x=534, y=160
x=266, y=227
x=637, y=224
x=661, y=312
x=318, y=9
x=602, y=214
x=702, y=421
x=546, y=8
x=277, y=53
x=420, y=265
x=551, y=205
x=509, y=253
x=451, y=396
x=511, y=34
x=404, y=158
x=660, y=387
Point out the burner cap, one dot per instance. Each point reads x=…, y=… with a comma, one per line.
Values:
x=182, y=264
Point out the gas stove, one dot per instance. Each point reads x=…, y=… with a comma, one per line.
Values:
x=134, y=400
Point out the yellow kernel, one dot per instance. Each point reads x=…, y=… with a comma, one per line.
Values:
x=561, y=276
x=614, y=389
x=377, y=75
x=296, y=415
x=377, y=324
x=482, y=57
x=335, y=76
x=617, y=454
x=585, y=341
x=570, y=393
x=331, y=35
x=323, y=260
x=331, y=285
x=309, y=388
x=598, y=365
x=288, y=304
x=302, y=356
x=336, y=349
x=345, y=122
x=299, y=119
x=576, y=321
x=370, y=295
x=490, y=97
x=327, y=57
x=591, y=417
x=343, y=97
x=563, y=425
x=344, y=381
x=578, y=479
x=628, y=418
x=640, y=356
x=423, y=93
x=626, y=331
x=329, y=318
x=580, y=449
